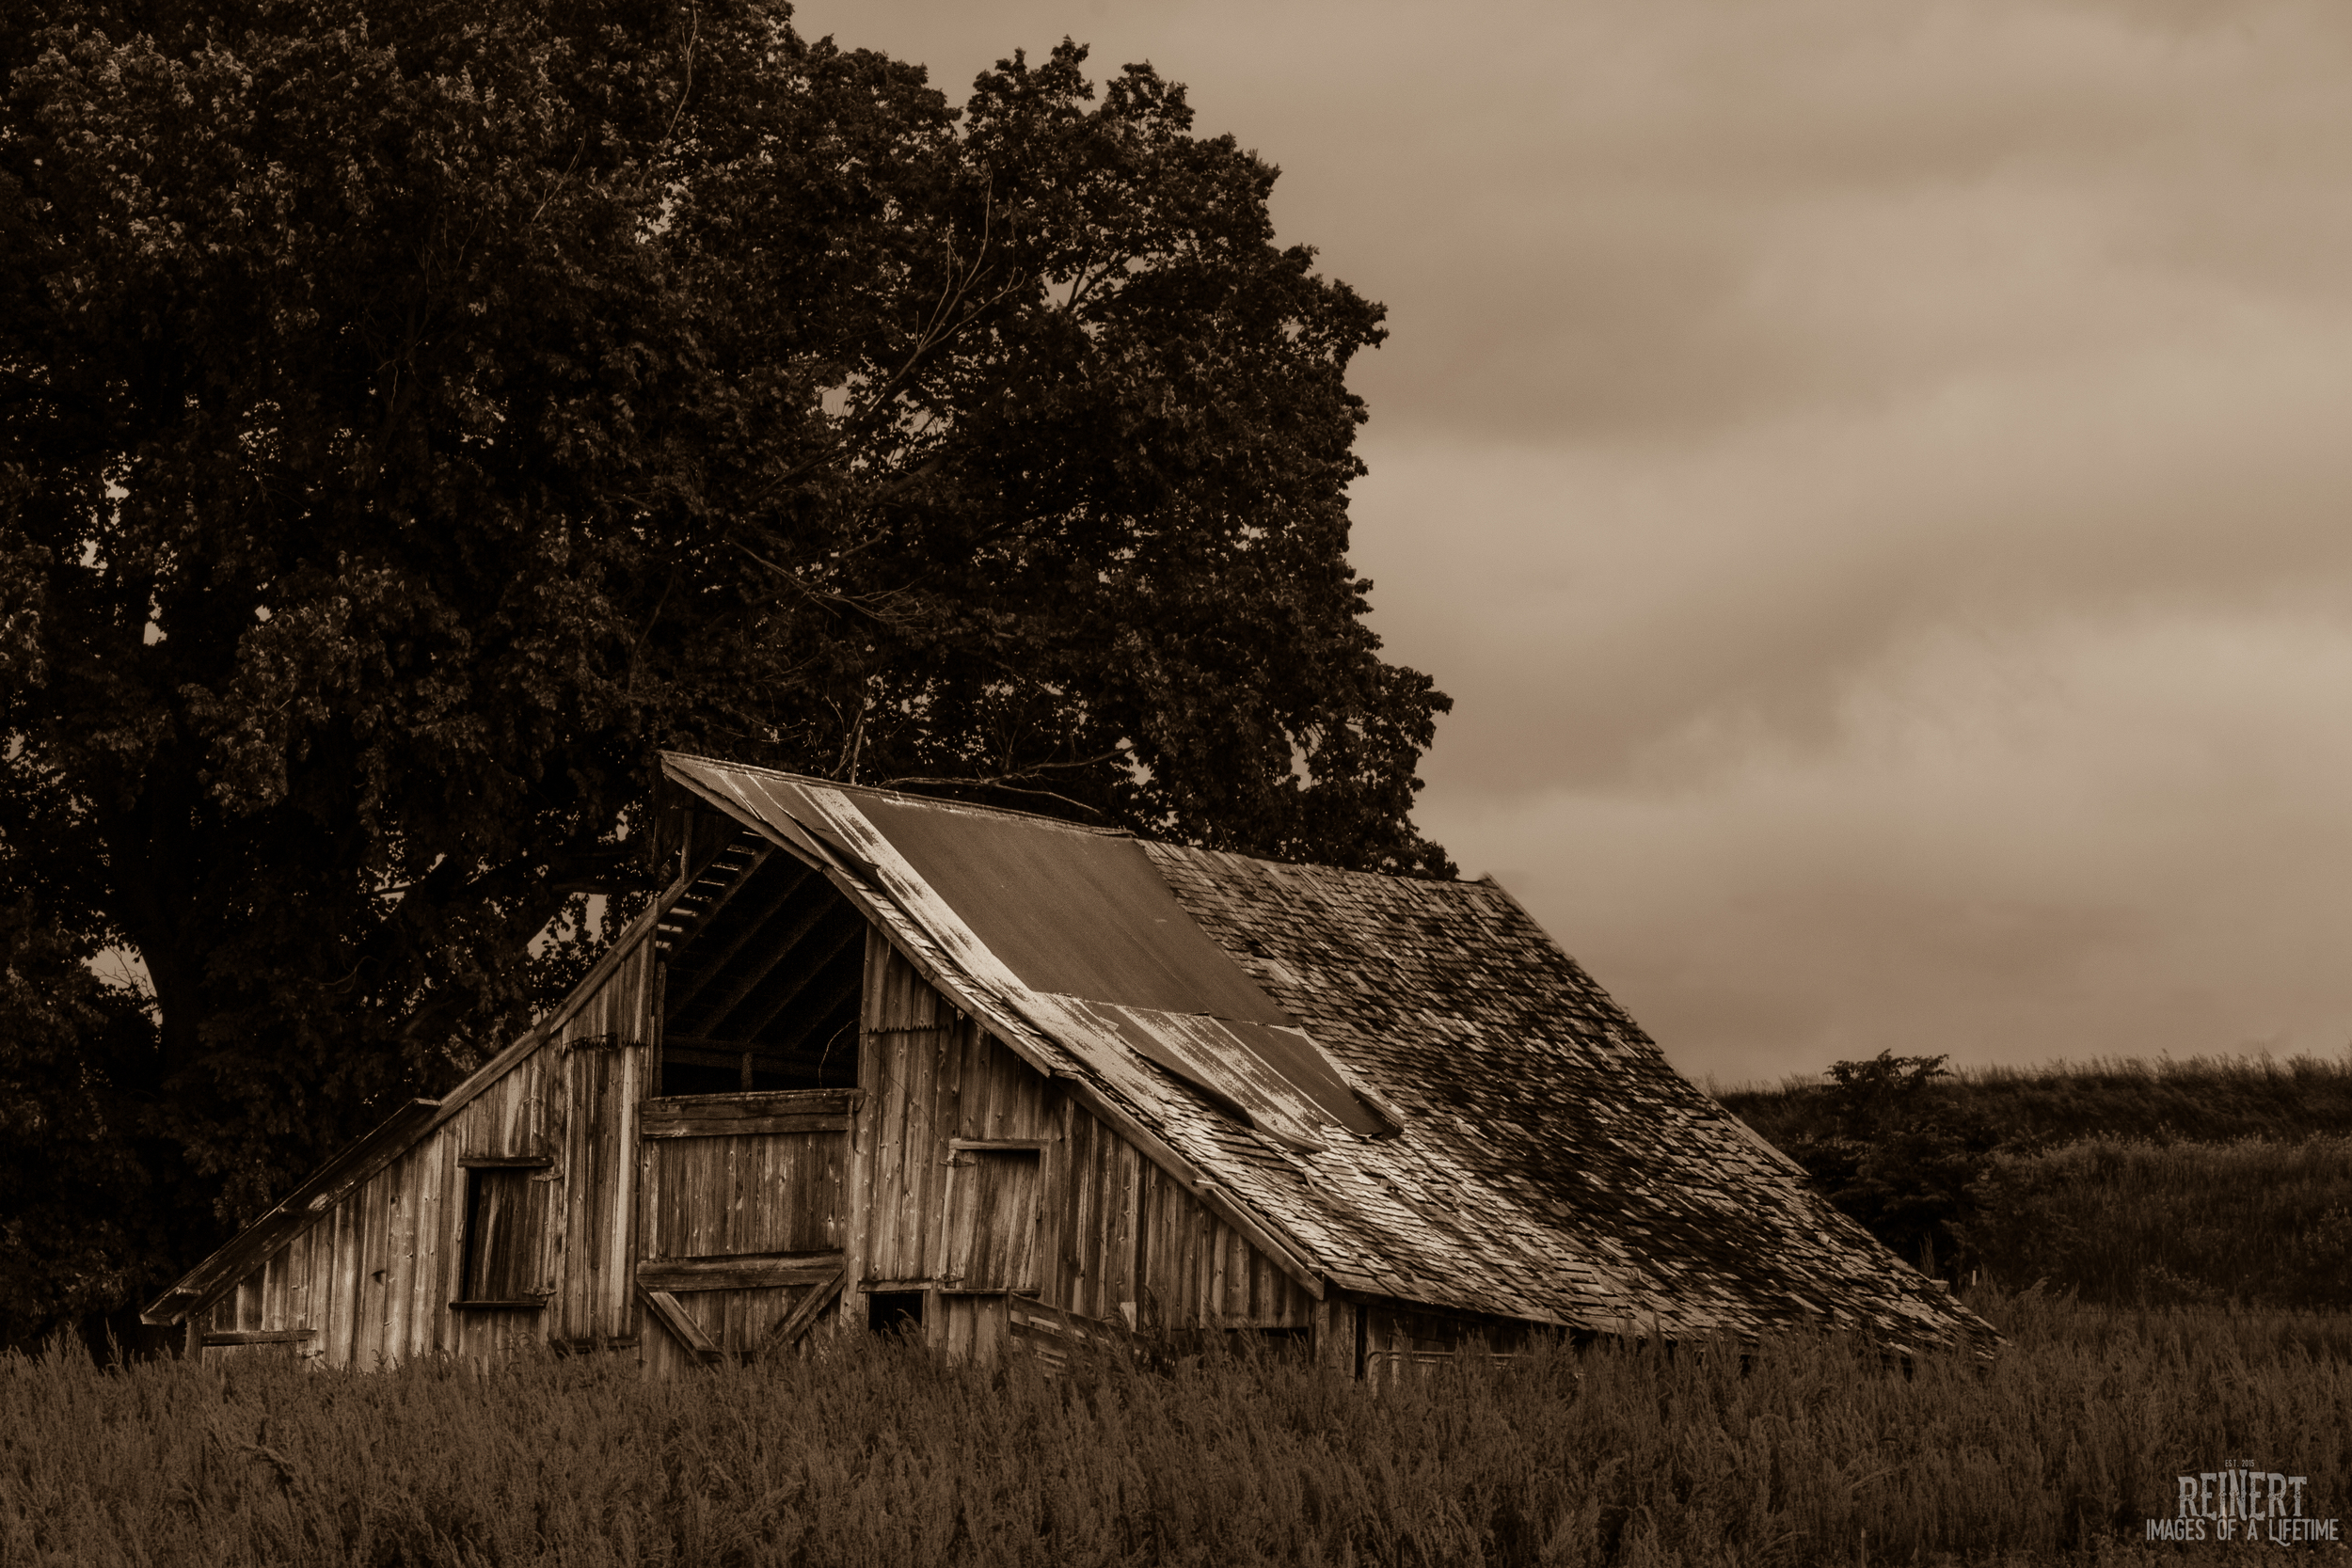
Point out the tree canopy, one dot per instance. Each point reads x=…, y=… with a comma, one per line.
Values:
x=414, y=416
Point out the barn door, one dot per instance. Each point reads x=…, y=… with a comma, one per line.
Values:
x=744, y=1209
x=993, y=1216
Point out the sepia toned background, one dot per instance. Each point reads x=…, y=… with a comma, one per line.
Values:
x=1875, y=481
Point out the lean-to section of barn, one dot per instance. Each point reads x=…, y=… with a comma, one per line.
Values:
x=468, y=1225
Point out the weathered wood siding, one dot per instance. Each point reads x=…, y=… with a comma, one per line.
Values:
x=1198, y=1272
x=370, y=1282
x=928, y=1075
x=1084, y=1225
x=736, y=1195
x=962, y=1174
x=595, y=1239
x=1384, y=1341
x=1138, y=1247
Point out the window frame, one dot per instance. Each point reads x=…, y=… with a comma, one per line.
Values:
x=1020, y=1235
x=516, y=1251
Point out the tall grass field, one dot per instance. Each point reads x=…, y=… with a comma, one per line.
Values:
x=2252, y=1223
x=2178, y=1100
x=1803, y=1453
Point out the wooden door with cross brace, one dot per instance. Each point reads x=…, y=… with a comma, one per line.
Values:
x=743, y=1213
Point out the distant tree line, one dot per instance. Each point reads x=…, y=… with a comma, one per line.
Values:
x=2207, y=1182
x=413, y=415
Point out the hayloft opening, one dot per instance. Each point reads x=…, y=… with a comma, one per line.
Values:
x=765, y=962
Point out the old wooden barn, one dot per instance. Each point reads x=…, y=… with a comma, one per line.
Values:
x=876, y=1060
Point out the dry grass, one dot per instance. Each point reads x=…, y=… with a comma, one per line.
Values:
x=1814, y=1453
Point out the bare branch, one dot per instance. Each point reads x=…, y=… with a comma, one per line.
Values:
x=1007, y=780
x=686, y=89
x=873, y=606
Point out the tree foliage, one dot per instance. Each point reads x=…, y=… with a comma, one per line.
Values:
x=1896, y=1156
x=412, y=417
x=87, y=1192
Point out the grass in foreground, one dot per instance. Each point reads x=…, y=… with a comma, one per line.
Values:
x=1815, y=1454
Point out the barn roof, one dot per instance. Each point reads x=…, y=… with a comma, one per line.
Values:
x=1409, y=1086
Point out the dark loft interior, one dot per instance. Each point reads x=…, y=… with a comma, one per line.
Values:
x=765, y=964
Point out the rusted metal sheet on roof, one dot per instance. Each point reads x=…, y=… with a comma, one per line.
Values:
x=757, y=798
x=1070, y=910
x=1116, y=1040
x=1147, y=981
x=1261, y=1072
x=1214, y=1057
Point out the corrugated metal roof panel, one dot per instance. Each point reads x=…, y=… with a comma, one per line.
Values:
x=1070, y=912
x=757, y=798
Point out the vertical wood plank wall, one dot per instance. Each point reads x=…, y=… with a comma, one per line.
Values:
x=1400, y=1342
x=1135, y=1234
x=373, y=1276
x=1119, y=1240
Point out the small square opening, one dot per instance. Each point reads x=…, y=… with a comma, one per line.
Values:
x=895, y=1312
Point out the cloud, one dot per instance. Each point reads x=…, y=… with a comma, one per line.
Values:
x=2116, y=837
x=1594, y=607
x=1667, y=218
x=1667, y=213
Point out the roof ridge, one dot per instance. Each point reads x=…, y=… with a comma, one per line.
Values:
x=1386, y=877
x=1105, y=830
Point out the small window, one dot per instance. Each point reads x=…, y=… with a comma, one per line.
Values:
x=993, y=1215
x=504, y=1218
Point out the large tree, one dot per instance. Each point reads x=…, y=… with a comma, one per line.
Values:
x=413, y=415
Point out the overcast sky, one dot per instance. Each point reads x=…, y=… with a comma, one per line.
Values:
x=1874, y=478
